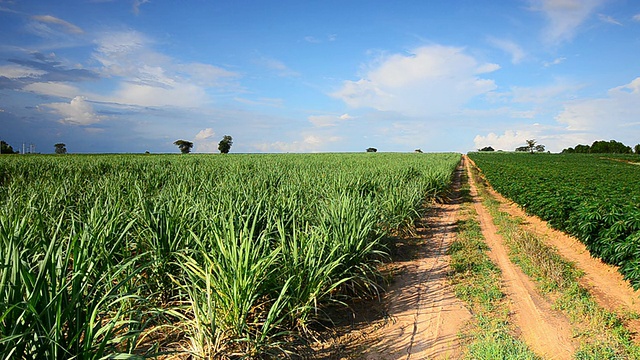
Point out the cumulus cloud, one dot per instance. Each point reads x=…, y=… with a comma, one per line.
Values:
x=64, y=25
x=76, y=112
x=564, y=17
x=428, y=80
x=508, y=141
x=205, y=134
x=510, y=47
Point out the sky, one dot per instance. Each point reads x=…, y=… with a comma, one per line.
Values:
x=129, y=76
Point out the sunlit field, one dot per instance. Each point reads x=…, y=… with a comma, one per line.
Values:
x=134, y=255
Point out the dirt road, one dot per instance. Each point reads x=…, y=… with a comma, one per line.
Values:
x=426, y=317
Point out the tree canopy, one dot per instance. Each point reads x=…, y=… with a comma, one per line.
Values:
x=601, y=147
x=184, y=146
x=225, y=144
x=6, y=148
x=372, y=149
x=60, y=148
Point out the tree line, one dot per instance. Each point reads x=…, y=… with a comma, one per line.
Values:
x=603, y=147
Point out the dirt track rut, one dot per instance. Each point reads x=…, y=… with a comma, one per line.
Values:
x=426, y=317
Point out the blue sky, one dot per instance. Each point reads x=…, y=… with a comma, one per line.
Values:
x=317, y=76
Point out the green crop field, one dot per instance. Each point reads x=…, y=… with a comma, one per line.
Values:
x=125, y=256
x=593, y=197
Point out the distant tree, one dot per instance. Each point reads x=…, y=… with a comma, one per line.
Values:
x=531, y=144
x=583, y=149
x=610, y=147
x=569, y=150
x=225, y=144
x=6, y=148
x=522, y=149
x=540, y=148
x=60, y=148
x=371, y=149
x=418, y=151
x=637, y=149
x=486, y=148
x=184, y=146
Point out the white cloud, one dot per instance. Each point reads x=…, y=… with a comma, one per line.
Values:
x=207, y=74
x=636, y=17
x=311, y=39
x=137, y=4
x=542, y=94
x=203, y=141
x=270, y=102
x=122, y=53
x=509, y=141
x=429, y=80
x=329, y=120
x=510, y=47
x=564, y=17
x=53, y=89
x=205, y=134
x=614, y=115
x=12, y=71
x=76, y=112
x=609, y=19
x=309, y=143
x=177, y=94
x=149, y=78
x=555, y=61
x=66, y=26
x=277, y=66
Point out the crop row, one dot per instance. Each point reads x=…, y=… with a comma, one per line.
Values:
x=217, y=256
x=593, y=198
